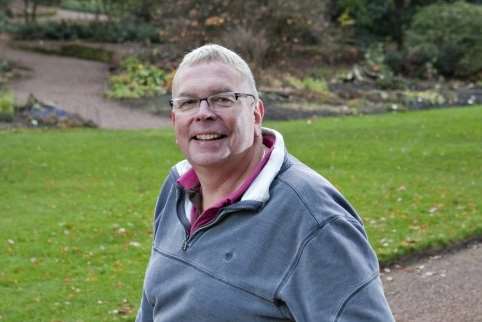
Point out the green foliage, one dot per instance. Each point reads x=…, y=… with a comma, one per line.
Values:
x=5, y=68
x=6, y=72
x=371, y=19
x=5, y=24
x=72, y=50
x=89, y=53
x=115, y=32
x=308, y=83
x=4, y=3
x=376, y=61
x=91, y=6
x=77, y=205
x=380, y=19
x=7, y=105
x=136, y=80
x=31, y=6
x=315, y=85
x=447, y=36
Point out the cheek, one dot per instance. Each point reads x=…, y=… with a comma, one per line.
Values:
x=181, y=136
x=246, y=130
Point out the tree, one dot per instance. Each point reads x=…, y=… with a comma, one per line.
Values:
x=447, y=36
x=30, y=8
x=382, y=18
x=4, y=4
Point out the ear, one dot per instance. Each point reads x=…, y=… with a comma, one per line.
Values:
x=172, y=117
x=258, y=116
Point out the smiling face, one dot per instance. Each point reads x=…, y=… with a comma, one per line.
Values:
x=215, y=138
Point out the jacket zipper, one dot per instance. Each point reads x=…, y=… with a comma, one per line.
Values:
x=189, y=239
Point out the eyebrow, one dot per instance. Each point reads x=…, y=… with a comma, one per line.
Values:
x=212, y=92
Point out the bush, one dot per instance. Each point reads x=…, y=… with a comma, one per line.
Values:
x=447, y=36
x=250, y=44
x=114, y=32
x=91, y=6
x=283, y=23
x=6, y=72
x=7, y=105
x=5, y=25
x=84, y=52
x=137, y=80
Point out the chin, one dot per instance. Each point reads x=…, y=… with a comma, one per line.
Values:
x=206, y=161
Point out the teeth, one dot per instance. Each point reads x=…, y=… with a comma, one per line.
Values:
x=209, y=136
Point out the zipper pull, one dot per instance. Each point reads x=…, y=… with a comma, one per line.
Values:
x=185, y=245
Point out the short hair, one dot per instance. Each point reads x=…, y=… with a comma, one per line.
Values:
x=216, y=53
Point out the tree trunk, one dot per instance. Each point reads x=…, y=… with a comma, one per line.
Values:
x=398, y=22
x=34, y=12
x=26, y=16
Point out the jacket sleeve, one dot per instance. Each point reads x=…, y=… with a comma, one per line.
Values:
x=335, y=277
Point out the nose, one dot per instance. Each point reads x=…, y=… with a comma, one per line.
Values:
x=205, y=112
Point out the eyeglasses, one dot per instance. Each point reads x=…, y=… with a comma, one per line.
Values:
x=217, y=101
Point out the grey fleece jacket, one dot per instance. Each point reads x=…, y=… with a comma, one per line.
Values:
x=292, y=249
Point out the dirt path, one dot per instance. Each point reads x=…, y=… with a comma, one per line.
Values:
x=445, y=287
x=76, y=86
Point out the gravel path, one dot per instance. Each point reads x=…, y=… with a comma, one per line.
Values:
x=76, y=86
x=446, y=287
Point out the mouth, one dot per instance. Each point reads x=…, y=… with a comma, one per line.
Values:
x=208, y=137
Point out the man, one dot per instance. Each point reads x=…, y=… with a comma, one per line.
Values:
x=243, y=231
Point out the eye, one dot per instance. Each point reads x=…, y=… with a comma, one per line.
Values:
x=187, y=103
x=223, y=100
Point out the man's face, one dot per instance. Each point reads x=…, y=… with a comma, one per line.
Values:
x=209, y=137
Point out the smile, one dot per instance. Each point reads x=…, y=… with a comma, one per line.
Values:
x=209, y=136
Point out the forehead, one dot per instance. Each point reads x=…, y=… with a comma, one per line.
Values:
x=206, y=79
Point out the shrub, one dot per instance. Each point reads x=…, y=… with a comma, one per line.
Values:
x=310, y=84
x=91, y=6
x=85, y=52
x=115, y=32
x=315, y=85
x=448, y=36
x=283, y=23
x=136, y=80
x=7, y=105
x=5, y=25
x=250, y=44
x=6, y=72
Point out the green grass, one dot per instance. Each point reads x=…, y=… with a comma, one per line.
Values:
x=76, y=206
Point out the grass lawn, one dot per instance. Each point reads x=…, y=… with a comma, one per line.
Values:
x=76, y=206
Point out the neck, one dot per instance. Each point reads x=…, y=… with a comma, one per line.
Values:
x=218, y=182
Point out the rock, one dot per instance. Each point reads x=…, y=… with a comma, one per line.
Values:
x=38, y=114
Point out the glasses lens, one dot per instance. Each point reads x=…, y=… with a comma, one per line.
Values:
x=186, y=104
x=222, y=100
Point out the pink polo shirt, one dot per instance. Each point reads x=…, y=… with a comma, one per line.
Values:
x=190, y=182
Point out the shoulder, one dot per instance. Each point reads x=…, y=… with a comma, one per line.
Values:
x=298, y=183
x=167, y=190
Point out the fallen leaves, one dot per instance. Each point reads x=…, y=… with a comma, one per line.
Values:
x=125, y=309
x=134, y=244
